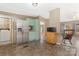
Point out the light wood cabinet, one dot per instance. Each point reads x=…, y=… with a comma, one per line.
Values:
x=51, y=37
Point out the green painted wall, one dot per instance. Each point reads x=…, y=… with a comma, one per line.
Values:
x=34, y=34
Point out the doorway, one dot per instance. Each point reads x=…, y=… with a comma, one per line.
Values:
x=42, y=32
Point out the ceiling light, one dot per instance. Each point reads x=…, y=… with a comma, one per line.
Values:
x=35, y=4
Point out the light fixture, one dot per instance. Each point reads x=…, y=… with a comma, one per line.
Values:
x=35, y=4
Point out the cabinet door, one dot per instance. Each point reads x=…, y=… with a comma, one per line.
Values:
x=51, y=37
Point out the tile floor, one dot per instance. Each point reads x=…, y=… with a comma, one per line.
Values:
x=35, y=49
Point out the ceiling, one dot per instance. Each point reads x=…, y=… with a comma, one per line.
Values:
x=67, y=11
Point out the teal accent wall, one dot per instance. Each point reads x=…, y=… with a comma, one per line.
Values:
x=34, y=34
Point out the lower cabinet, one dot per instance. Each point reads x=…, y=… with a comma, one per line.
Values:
x=51, y=37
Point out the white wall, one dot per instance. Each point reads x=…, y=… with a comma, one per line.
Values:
x=55, y=19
